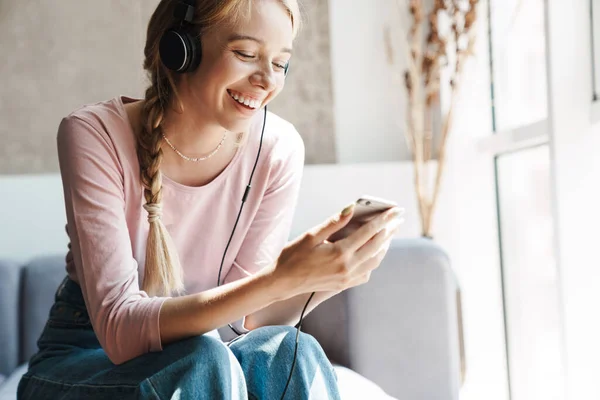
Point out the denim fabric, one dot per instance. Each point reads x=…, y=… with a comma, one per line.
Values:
x=70, y=364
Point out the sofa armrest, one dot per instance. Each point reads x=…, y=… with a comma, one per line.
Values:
x=10, y=282
x=401, y=329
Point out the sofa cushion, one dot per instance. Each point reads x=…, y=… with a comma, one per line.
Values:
x=9, y=316
x=354, y=386
x=8, y=390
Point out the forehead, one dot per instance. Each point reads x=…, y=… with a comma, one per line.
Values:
x=267, y=20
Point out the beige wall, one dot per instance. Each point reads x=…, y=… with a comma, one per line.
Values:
x=59, y=55
x=307, y=100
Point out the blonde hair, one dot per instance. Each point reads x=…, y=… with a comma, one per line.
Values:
x=163, y=274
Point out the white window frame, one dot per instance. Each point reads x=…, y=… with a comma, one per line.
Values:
x=528, y=136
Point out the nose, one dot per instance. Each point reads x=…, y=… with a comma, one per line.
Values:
x=265, y=78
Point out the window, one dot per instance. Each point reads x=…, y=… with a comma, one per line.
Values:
x=529, y=272
x=518, y=62
x=520, y=147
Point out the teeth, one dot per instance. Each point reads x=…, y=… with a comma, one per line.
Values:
x=247, y=102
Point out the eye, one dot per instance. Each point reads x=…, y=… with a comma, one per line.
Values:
x=280, y=66
x=243, y=54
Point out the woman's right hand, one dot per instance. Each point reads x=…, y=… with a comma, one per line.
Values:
x=311, y=263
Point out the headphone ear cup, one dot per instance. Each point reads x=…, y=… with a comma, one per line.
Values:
x=195, y=51
x=179, y=51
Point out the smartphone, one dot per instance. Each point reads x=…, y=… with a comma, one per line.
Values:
x=365, y=209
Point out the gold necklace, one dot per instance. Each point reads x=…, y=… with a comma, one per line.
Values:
x=195, y=159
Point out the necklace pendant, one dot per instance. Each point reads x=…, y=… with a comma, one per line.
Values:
x=239, y=137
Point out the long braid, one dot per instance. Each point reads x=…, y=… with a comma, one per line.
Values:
x=163, y=272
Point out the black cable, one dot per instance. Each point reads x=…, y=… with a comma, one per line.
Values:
x=243, y=198
x=299, y=324
x=241, y=208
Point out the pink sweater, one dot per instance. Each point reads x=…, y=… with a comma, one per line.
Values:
x=107, y=225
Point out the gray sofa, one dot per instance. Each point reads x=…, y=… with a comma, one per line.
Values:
x=400, y=331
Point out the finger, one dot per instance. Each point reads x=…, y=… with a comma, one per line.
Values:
x=372, y=263
x=367, y=265
x=381, y=241
x=332, y=224
x=363, y=234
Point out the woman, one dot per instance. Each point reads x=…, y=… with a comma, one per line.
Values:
x=152, y=190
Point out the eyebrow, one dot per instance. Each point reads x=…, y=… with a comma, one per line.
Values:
x=235, y=37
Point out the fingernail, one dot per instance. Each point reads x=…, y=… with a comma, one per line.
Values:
x=393, y=214
x=396, y=213
x=347, y=210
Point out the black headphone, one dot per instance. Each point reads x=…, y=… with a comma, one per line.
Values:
x=180, y=48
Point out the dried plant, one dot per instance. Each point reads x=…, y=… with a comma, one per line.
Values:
x=449, y=41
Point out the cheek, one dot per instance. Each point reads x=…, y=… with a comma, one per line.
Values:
x=277, y=90
x=210, y=83
x=218, y=74
x=219, y=70
x=229, y=68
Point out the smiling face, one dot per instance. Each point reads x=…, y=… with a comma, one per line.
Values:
x=242, y=67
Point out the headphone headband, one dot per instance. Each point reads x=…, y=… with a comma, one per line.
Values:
x=184, y=10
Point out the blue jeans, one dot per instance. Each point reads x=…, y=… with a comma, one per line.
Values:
x=71, y=364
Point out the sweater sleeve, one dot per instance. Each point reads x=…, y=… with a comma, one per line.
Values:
x=270, y=229
x=124, y=318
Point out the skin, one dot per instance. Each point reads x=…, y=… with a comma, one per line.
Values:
x=276, y=294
